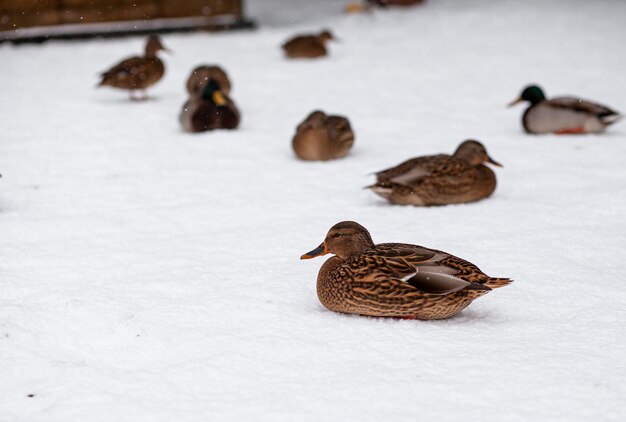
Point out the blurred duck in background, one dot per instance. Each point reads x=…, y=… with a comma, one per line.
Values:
x=139, y=72
x=563, y=115
x=439, y=179
x=323, y=137
x=367, y=5
x=209, y=106
x=308, y=46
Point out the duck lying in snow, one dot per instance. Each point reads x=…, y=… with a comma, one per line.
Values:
x=209, y=106
x=439, y=179
x=563, y=115
x=323, y=137
x=394, y=279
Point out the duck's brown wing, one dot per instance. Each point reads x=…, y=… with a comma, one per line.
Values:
x=399, y=280
x=128, y=72
x=406, y=167
x=229, y=115
x=468, y=271
x=582, y=106
x=339, y=131
x=441, y=174
x=405, y=269
x=304, y=46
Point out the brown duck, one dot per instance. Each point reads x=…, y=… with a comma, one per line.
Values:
x=323, y=137
x=139, y=72
x=439, y=179
x=209, y=108
x=308, y=46
x=394, y=279
x=369, y=4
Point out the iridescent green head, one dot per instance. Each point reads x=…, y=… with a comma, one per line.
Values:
x=213, y=92
x=532, y=93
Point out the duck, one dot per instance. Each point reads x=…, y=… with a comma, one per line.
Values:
x=208, y=109
x=138, y=72
x=200, y=76
x=394, y=280
x=366, y=6
x=308, y=46
x=439, y=179
x=323, y=137
x=563, y=115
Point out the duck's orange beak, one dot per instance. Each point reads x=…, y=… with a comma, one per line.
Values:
x=218, y=98
x=319, y=251
x=515, y=101
x=494, y=162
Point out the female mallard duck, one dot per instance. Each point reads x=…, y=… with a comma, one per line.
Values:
x=209, y=109
x=308, y=46
x=563, y=115
x=439, y=179
x=323, y=137
x=394, y=279
x=137, y=73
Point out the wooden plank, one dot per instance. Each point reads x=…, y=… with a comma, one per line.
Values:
x=27, y=5
x=109, y=14
x=124, y=28
x=16, y=14
x=176, y=8
x=20, y=20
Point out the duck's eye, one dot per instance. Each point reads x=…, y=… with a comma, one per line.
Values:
x=336, y=234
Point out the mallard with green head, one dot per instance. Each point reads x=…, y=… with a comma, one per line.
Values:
x=139, y=72
x=439, y=179
x=200, y=76
x=308, y=46
x=563, y=115
x=209, y=109
x=394, y=279
x=323, y=137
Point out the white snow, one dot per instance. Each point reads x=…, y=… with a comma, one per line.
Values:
x=151, y=275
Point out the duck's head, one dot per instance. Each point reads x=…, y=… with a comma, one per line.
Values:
x=532, y=93
x=474, y=153
x=213, y=93
x=154, y=45
x=326, y=35
x=201, y=75
x=344, y=239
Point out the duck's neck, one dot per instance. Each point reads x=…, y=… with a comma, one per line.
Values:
x=327, y=292
x=151, y=51
x=328, y=267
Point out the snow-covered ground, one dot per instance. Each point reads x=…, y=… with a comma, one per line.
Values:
x=151, y=275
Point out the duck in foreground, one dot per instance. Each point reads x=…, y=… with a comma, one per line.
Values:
x=323, y=137
x=394, y=279
x=209, y=106
x=308, y=46
x=563, y=115
x=139, y=72
x=439, y=179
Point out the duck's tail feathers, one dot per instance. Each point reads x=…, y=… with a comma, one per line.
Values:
x=609, y=119
x=495, y=283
